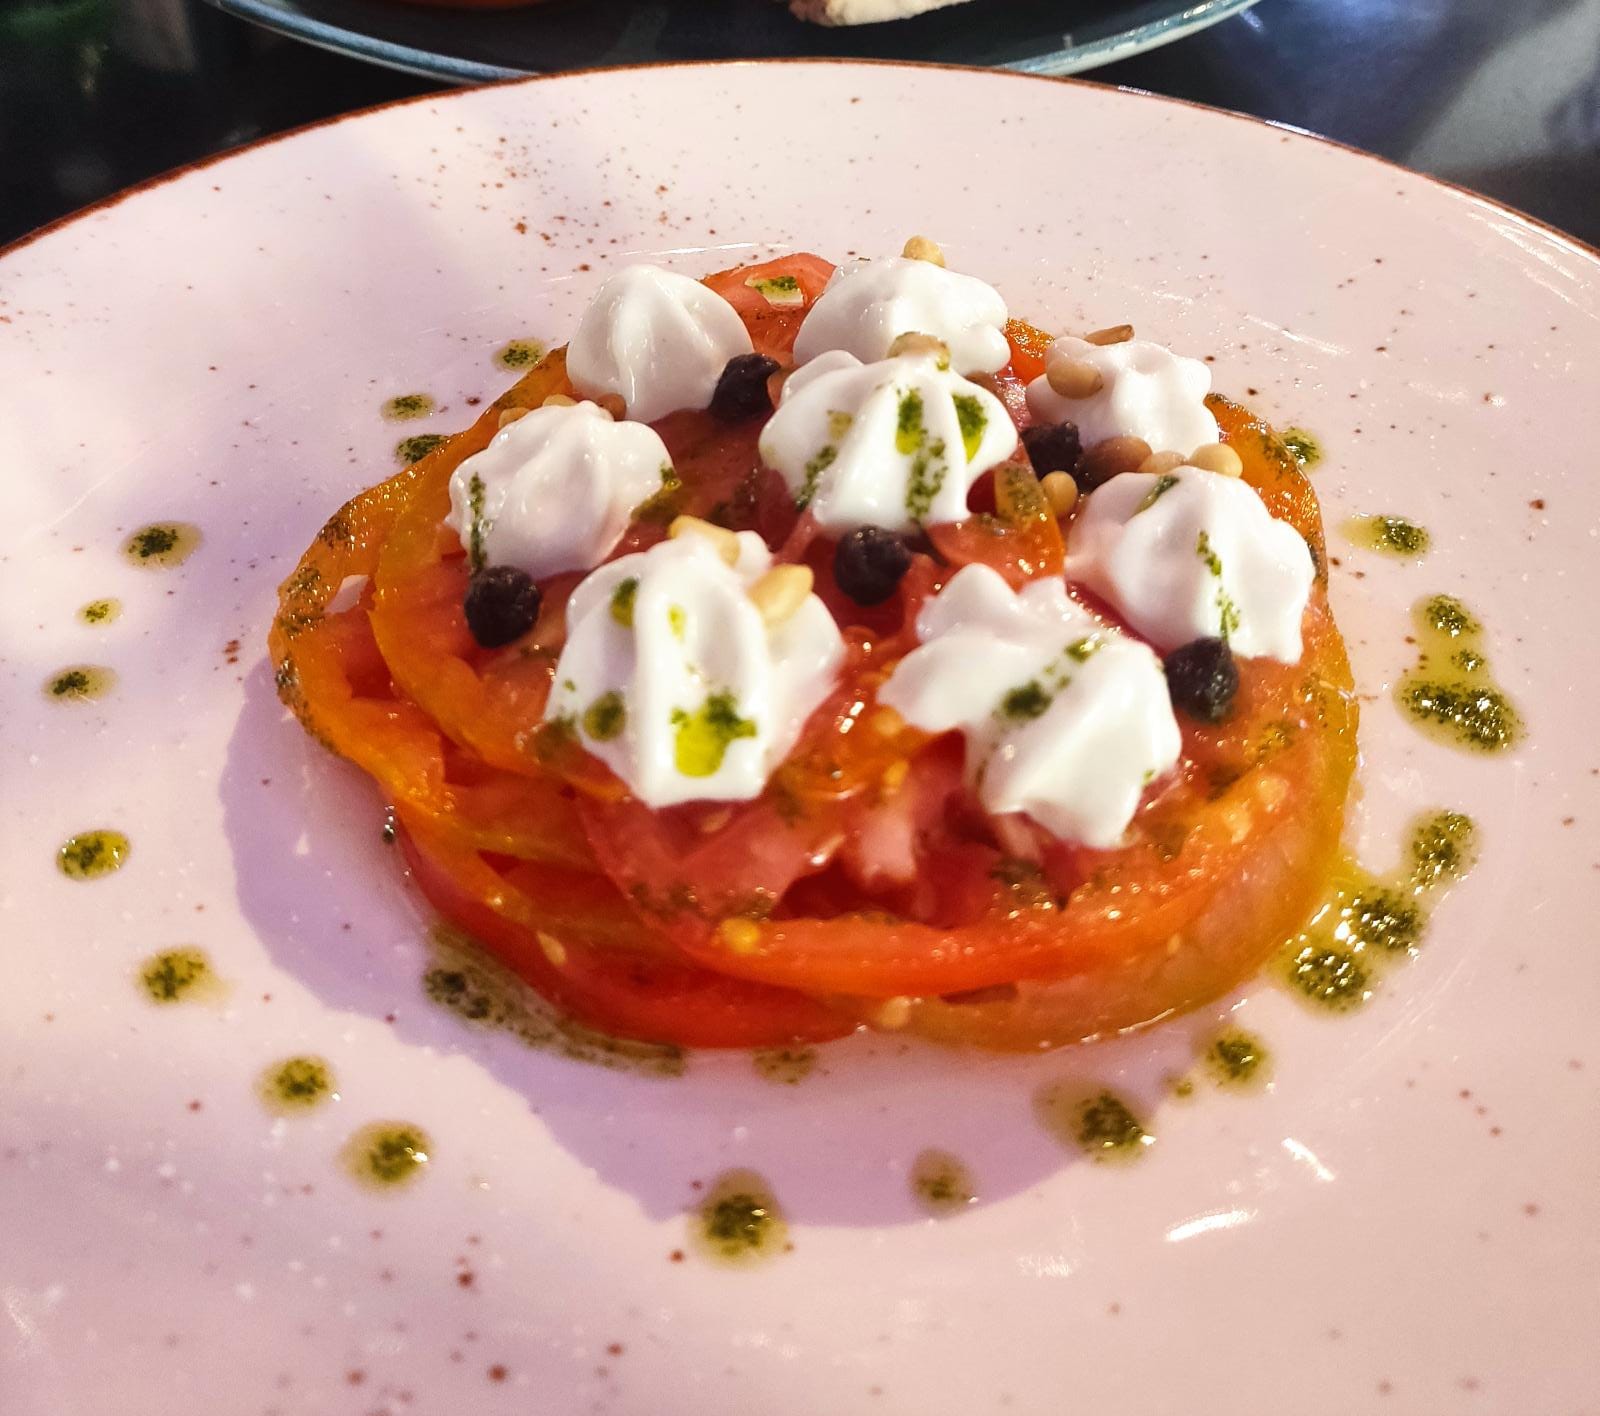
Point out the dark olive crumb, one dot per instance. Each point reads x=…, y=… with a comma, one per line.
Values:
x=869, y=564
x=502, y=604
x=1203, y=678
x=1053, y=447
x=741, y=392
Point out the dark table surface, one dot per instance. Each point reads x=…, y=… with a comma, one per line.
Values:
x=1499, y=95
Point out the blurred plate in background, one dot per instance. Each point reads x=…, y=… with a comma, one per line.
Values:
x=470, y=46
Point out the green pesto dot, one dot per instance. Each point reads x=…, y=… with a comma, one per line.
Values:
x=175, y=974
x=1469, y=716
x=80, y=683
x=1381, y=918
x=1098, y=1123
x=100, y=612
x=1448, y=615
x=1327, y=974
x=739, y=1223
x=91, y=854
x=1237, y=1059
x=1443, y=847
x=296, y=1084
x=519, y=354
x=941, y=1183
x=387, y=1154
x=402, y=408
x=418, y=446
x=1304, y=447
x=162, y=544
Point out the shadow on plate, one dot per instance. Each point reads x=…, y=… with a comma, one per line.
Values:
x=332, y=906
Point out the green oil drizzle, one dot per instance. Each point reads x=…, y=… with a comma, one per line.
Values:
x=519, y=354
x=387, y=1154
x=1099, y=1123
x=405, y=406
x=477, y=989
x=606, y=717
x=785, y=1066
x=1367, y=923
x=162, y=544
x=704, y=736
x=418, y=446
x=1304, y=447
x=177, y=974
x=941, y=1184
x=296, y=1084
x=1237, y=1060
x=1451, y=695
x=1391, y=535
x=99, y=612
x=739, y=1223
x=91, y=854
x=79, y=683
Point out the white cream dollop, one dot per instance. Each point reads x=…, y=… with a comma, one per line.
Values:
x=867, y=305
x=1146, y=392
x=1187, y=555
x=895, y=444
x=1065, y=718
x=555, y=490
x=672, y=678
x=657, y=338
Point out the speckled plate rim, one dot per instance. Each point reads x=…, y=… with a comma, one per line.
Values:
x=287, y=20
x=201, y=164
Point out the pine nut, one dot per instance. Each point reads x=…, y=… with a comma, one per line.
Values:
x=781, y=591
x=892, y=1014
x=920, y=248
x=724, y=540
x=1074, y=378
x=1060, y=491
x=510, y=415
x=1218, y=458
x=914, y=343
x=552, y=948
x=1111, y=334
x=559, y=400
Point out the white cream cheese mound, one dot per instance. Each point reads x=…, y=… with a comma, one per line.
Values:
x=895, y=444
x=672, y=678
x=867, y=305
x=657, y=338
x=1146, y=392
x=1065, y=718
x=554, y=490
x=1187, y=555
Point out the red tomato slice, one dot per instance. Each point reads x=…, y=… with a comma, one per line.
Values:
x=625, y=995
x=773, y=326
x=331, y=675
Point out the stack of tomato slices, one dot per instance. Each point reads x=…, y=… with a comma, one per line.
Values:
x=865, y=885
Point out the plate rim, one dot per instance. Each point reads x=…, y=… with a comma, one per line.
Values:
x=213, y=159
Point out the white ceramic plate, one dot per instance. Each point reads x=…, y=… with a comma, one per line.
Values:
x=1406, y=1220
